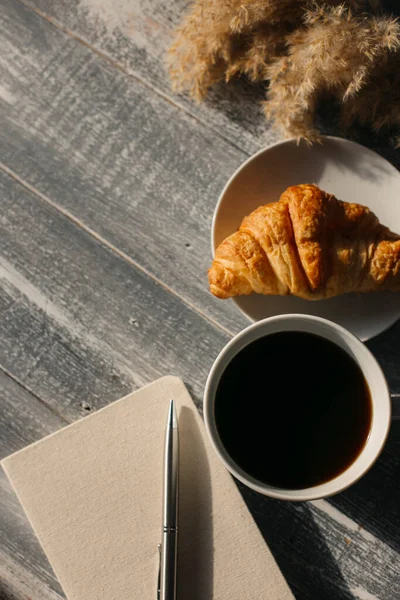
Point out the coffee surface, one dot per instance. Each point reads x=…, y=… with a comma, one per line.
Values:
x=293, y=410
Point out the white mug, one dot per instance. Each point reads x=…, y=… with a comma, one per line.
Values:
x=380, y=397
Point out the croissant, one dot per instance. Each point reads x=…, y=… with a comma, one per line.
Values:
x=308, y=244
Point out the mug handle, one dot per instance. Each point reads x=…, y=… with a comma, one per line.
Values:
x=395, y=407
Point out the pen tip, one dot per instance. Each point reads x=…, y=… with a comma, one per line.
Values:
x=172, y=416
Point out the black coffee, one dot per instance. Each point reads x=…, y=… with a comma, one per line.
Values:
x=293, y=410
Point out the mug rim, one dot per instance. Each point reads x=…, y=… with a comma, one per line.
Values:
x=258, y=330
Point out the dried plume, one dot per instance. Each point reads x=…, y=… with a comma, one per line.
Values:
x=305, y=51
x=354, y=58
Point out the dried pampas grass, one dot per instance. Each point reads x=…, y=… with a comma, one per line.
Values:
x=223, y=38
x=350, y=57
x=305, y=50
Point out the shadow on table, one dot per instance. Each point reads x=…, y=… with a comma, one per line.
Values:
x=298, y=547
x=327, y=120
x=240, y=101
x=196, y=550
x=386, y=349
x=373, y=502
x=381, y=143
x=391, y=7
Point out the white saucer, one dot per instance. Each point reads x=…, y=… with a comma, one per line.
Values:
x=350, y=171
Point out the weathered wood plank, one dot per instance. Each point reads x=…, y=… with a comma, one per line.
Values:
x=136, y=36
x=124, y=161
x=79, y=324
x=18, y=583
x=24, y=418
x=24, y=568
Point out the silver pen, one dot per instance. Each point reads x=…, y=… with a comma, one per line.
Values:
x=169, y=544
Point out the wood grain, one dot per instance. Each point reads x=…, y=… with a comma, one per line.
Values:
x=24, y=569
x=18, y=582
x=81, y=326
x=323, y=556
x=122, y=160
x=136, y=36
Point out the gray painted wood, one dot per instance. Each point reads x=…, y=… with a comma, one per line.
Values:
x=24, y=418
x=85, y=321
x=136, y=36
x=122, y=160
x=18, y=583
x=81, y=326
x=24, y=568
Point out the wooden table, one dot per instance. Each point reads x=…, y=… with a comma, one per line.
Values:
x=108, y=183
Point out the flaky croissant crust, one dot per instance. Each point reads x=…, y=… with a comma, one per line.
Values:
x=308, y=244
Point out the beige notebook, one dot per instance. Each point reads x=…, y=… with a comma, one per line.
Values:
x=92, y=492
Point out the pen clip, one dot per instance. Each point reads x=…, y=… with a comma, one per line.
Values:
x=159, y=574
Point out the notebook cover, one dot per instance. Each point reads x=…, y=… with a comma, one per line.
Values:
x=92, y=492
